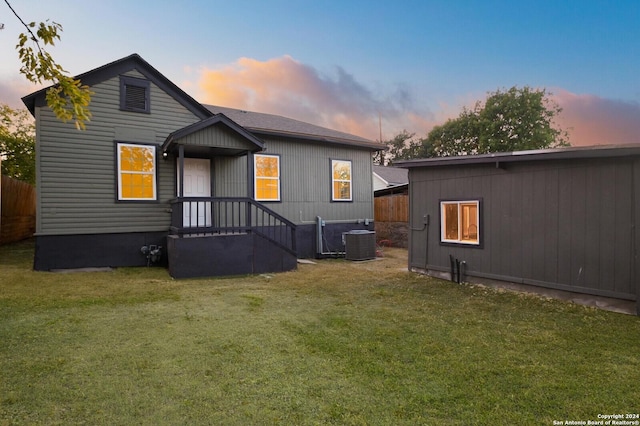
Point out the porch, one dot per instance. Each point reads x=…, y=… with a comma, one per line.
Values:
x=216, y=236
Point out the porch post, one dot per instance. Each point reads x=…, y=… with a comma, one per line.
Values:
x=181, y=170
x=250, y=174
x=249, y=185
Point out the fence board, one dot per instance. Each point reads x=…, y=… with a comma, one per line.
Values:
x=18, y=210
x=392, y=208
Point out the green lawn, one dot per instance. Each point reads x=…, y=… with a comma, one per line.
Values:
x=333, y=343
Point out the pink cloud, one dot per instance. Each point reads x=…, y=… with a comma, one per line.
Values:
x=290, y=88
x=592, y=120
x=14, y=88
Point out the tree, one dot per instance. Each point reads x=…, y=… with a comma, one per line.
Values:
x=513, y=120
x=17, y=144
x=68, y=98
x=403, y=146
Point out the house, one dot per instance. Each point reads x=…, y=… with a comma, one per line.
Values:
x=563, y=219
x=158, y=177
x=388, y=177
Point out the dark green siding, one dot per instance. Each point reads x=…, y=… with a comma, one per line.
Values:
x=77, y=170
x=219, y=137
x=77, y=182
x=305, y=179
x=230, y=177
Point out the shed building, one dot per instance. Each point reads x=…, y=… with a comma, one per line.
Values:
x=563, y=219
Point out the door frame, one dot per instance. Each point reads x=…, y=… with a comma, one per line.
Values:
x=187, y=206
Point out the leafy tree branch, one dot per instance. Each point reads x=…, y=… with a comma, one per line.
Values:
x=516, y=119
x=69, y=99
x=17, y=144
x=402, y=146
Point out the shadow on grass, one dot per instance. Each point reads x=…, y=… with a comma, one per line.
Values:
x=18, y=254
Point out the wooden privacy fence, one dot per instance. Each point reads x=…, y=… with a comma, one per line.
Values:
x=18, y=219
x=391, y=208
x=391, y=214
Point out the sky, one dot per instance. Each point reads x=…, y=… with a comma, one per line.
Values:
x=371, y=68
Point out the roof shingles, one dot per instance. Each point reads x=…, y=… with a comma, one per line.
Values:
x=392, y=175
x=263, y=123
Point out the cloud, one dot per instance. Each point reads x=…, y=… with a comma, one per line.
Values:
x=287, y=87
x=12, y=90
x=593, y=120
x=290, y=88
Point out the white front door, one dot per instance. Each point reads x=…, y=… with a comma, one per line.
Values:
x=197, y=183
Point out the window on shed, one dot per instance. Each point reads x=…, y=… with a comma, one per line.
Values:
x=460, y=222
x=267, y=177
x=341, y=180
x=136, y=172
x=135, y=94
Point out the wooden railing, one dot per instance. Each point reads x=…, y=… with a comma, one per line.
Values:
x=193, y=216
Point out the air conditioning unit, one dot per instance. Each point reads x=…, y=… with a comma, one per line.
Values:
x=360, y=245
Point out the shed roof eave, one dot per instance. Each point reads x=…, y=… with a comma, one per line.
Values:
x=597, y=151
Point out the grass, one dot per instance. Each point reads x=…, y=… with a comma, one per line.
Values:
x=333, y=343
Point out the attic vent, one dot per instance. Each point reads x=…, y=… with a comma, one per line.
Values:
x=135, y=97
x=134, y=94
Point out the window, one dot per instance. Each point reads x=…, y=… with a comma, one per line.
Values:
x=267, y=177
x=460, y=222
x=340, y=180
x=134, y=94
x=136, y=172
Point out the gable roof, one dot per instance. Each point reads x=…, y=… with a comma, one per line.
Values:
x=121, y=66
x=392, y=175
x=277, y=125
x=257, y=123
x=218, y=119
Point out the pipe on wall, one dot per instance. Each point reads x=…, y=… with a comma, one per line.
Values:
x=365, y=221
x=320, y=251
x=457, y=269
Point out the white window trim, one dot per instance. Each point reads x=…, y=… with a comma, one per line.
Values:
x=334, y=180
x=255, y=177
x=459, y=203
x=151, y=148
